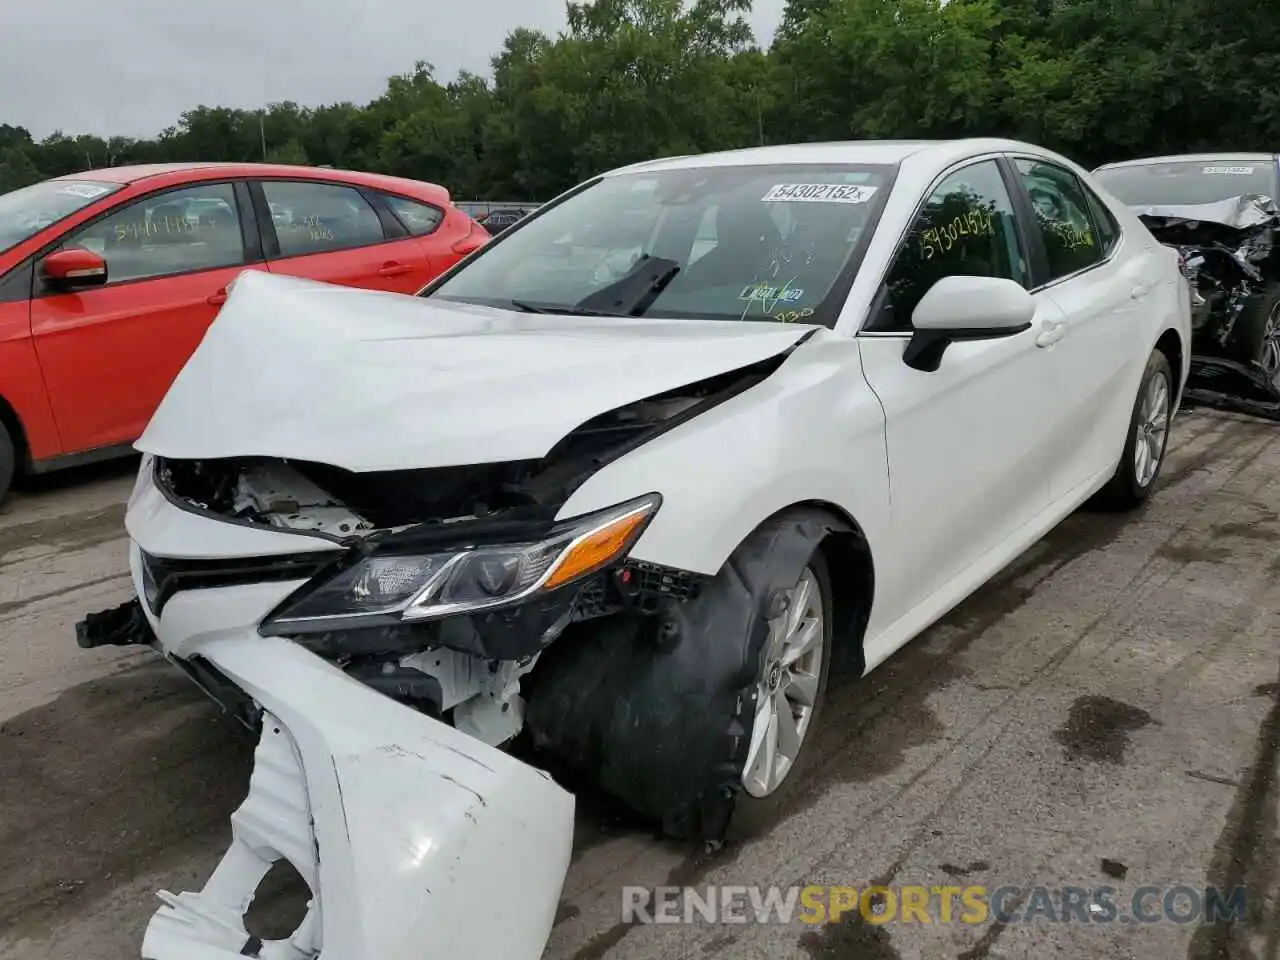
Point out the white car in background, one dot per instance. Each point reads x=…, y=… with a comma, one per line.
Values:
x=633, y=506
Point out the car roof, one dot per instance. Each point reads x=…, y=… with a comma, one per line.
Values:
x=847, y=151
x=175, y=172
x=1192, y=158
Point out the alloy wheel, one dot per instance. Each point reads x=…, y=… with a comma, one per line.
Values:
x=1151, y=430
x=787, y=688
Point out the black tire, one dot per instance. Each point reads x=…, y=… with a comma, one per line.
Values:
x=658, y=710
x=754, y=815
x=1256, y=330
x=1126, y=489
x=8, y=462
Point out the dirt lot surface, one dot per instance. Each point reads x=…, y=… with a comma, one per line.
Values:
x=1106, y=712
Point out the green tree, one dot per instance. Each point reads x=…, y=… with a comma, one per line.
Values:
x=628, y=80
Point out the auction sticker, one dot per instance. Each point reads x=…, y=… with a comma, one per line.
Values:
x=1243, y=171
x=818, y=193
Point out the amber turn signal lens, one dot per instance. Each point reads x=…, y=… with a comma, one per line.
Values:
x=593, y=550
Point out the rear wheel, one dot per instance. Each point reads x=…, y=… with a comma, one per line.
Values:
x=8, y=462
x=1147, y=439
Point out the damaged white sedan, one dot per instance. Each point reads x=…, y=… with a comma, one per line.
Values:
x=626, y=482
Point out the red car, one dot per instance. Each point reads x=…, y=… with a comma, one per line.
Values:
x=109, y=278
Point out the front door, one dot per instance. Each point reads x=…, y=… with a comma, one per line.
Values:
x=969, y=457
x=110, y=353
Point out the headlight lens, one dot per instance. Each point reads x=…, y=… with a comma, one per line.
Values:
x=427, y=586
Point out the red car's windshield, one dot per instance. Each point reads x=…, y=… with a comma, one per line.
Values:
x=28, y=210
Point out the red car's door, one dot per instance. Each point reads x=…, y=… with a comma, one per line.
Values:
x=110, y=353
x=332, y=232
x=21, y=386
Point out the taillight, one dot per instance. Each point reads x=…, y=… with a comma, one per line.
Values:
x=476, y=238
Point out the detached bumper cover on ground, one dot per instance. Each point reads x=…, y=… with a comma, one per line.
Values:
x=416, y=841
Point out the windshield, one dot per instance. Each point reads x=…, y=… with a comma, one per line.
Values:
x=28, y=210
x=1188, y=182
x=715, y=243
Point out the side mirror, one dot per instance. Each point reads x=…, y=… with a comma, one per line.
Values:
x=965, y=308
x=74, y=269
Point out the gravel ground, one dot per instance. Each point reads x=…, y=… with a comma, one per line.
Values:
x=1106, y=712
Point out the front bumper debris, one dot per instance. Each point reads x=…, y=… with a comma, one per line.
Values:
x=122, y=626
x=416, y=841
x=1234, y=387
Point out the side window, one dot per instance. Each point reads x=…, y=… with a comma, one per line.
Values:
x=181, y=231
x=1108, y=229
x=1061, y=204
x=320, y=217
x=420, y=218
x=966, y=228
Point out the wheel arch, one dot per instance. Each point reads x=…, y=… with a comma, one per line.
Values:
x=12, y=423
x=1171, y=345
x=851, y=567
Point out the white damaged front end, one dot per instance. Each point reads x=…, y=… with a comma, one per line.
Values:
x=416, y=841
x=347, y=546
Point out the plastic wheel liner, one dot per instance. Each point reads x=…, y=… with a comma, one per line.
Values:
x=658, y=710
x=417, y=841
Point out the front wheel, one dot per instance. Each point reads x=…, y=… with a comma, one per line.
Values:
x=8, y=462
x=789, y=691
x=1257, y=337
x=1147, y=438
x=700, y=715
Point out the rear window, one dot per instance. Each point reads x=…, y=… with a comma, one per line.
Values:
x=28, y=210
x=1189, y=182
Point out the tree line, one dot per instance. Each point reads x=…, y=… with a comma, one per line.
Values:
x=629, y=80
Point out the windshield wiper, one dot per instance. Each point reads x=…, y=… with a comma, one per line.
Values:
x=528, y=306
x=634, y=292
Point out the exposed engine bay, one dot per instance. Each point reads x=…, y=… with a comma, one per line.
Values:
x=1227, y=252
x=465, y=667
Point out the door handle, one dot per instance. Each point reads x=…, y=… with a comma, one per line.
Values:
x=393, y=269
x=217, y=299
x=1051, y=332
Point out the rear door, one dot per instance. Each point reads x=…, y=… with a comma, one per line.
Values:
x=110, y=353
x=337, y=233
x=1102, y=282
x=443, y=242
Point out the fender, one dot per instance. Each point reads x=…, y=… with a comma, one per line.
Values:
x=722, y=467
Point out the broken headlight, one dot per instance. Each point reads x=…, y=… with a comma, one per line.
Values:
x=425, y=586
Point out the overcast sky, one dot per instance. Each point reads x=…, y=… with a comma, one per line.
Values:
x=130, y=67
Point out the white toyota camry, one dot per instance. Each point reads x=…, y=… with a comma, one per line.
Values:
x=626, y=480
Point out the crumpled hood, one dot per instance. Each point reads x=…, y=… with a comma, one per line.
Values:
x=376, y=381
x=1240, y=213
